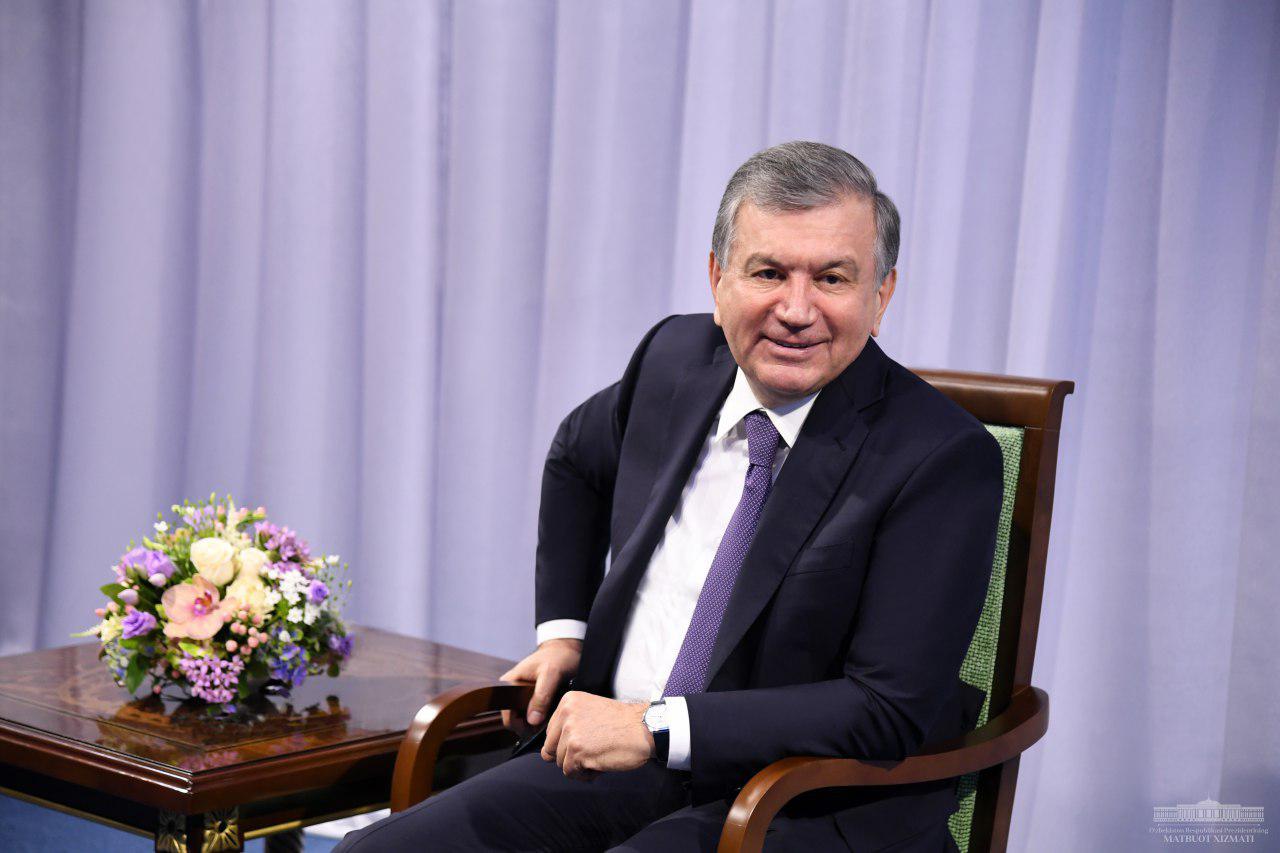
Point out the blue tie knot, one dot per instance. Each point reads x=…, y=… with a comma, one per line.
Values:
x=762, y=439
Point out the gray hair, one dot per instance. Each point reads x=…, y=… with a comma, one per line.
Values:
x=800, y=176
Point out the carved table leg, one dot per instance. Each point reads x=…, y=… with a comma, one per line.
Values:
x=289, y=841
x=212, y=832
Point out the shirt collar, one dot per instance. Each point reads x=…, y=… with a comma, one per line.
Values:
x=787, y=420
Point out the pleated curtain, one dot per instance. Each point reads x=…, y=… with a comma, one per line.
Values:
x=354, y=261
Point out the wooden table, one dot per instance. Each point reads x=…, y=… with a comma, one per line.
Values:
x=72, y=740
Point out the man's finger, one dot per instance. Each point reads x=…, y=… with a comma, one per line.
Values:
x=522, y=671
x=562, y=748
x=542, y=690
x=553, y=738
x=514, y=721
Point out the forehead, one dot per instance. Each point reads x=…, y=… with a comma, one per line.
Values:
x=845, y=228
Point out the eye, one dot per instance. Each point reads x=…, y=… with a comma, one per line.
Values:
x=832, y=278
x=768, y=274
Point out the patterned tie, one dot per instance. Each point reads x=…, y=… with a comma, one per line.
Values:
x=689, y=673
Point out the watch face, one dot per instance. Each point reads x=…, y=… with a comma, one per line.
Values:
x=655, y=717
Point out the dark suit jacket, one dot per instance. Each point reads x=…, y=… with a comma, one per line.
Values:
x=857, y=599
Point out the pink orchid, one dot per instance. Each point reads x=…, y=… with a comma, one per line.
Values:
x=193, y=609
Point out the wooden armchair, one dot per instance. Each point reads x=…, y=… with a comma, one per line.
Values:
x=1024, y=415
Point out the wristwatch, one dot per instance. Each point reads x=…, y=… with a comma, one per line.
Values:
x=655, y=720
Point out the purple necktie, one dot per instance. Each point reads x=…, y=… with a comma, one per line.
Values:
x=689, y=673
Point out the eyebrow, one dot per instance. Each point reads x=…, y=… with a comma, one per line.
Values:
x=765, y=260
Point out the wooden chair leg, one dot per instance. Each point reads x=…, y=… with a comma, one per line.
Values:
x=1006, y=780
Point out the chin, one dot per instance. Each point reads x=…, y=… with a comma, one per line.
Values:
x=788, y=386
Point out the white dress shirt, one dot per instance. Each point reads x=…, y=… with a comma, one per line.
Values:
x=669, y=590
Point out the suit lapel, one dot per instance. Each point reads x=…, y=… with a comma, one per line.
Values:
x=694, y=405
x=825, y=449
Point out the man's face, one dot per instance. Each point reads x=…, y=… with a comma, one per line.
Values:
x=798, y=296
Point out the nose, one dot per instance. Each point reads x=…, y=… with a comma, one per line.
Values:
x=795, y=305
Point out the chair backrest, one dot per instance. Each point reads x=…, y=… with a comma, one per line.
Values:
x=1025, y=416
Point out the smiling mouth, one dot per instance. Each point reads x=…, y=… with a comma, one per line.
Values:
x=797, y=345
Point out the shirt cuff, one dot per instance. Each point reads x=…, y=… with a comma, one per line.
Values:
x=678, y=757
x=561, y=629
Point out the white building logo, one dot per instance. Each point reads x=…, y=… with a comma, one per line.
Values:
x=1208, y=821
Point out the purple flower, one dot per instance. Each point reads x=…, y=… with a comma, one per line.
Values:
x=200, y=518
x=290, y=675
x=340, y=644
x=318, y=592
x=212, y=679
x=283, y=540
x=138, y=623
x=158, y=563
x=290, y=664
x=133, y=558
x=146, y=562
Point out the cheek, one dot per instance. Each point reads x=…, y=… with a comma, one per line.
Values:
x=850, y=322
x=742, y=318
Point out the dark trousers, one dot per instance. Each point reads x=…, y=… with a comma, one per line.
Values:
x=527, y=804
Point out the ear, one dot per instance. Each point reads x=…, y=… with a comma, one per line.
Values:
x=714, y=273
x=883, y=295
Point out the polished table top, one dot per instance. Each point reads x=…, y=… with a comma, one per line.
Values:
x=61, y=715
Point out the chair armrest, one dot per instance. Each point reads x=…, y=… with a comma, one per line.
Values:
x=1004, y=737
x=416, y=760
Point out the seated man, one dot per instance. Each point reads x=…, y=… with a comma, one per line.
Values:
x=800, y=533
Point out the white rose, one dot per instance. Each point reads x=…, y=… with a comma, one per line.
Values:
x=251, y=561
x=248, y=590
x=214, y=560
x=109, y=629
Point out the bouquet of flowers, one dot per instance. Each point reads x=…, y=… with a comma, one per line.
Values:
x=220, y=604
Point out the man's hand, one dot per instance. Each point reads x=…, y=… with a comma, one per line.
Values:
x=551, y=665
x=589, y=735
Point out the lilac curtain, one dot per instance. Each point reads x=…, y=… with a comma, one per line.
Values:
x=354, y=261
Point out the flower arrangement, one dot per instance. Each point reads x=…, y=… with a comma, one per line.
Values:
x=220, y=603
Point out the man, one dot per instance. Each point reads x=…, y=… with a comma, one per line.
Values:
x=800, y=533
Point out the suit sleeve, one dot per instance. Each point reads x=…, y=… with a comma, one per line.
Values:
x=926, y=580
x=577, y=497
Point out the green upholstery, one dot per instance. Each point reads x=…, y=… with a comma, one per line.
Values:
x=980, y=661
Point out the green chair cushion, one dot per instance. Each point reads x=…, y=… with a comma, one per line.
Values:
x=979, y=662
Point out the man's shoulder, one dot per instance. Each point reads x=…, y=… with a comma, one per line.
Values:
x=692, y=336
x=675, y=344
x=920, y=414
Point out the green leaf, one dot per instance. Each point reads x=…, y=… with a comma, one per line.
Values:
x=112, y=590
x=333, y=670
x=135, y=673
x=192, y=649
x=131, y=643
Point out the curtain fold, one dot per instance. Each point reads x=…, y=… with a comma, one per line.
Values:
x=355, y=261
